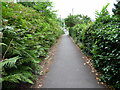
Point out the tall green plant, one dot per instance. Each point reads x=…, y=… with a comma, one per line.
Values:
x=116, y=11
x=27, y=36
x=101, y=40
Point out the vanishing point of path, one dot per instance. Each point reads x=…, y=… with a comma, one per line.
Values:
x=68, y=69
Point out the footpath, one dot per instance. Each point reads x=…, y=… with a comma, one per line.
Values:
x=68, y=69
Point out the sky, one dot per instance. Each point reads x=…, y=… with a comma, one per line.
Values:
x=85, y=7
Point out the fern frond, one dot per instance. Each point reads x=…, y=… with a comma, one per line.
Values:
x=16, y=52
x=9, y=62
x=26, y=52
x=22, y=69
x=16, y=78
x=3, y=44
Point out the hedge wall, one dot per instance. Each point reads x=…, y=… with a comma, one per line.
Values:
x=27, y=36
x=101, y=41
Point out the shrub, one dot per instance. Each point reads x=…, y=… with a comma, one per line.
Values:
x=27, y=36
x=101, y=40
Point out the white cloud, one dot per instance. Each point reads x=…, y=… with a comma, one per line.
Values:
x=86, y=7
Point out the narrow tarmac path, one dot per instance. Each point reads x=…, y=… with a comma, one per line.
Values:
x=68, y=69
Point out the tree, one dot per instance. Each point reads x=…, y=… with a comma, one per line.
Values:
x=116, y=11
x=70, y=21
x=73, y=20
x=45, y=8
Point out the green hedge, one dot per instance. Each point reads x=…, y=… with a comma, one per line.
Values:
x=27, y=37
x=101, y=40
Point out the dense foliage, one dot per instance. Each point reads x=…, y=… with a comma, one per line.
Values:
x=101, y=40
x=27, y=36
x=77, y=23
x=116, y=11
x=73, y=20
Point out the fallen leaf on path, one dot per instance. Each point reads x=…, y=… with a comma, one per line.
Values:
x=96, y=74
x=87, y=62
x=41, y=73
x=97, y=78
x=83, y=57
x=102, y=83
x=98, y=82
x=40, y=85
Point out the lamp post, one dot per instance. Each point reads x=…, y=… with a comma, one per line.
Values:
x=72, y=11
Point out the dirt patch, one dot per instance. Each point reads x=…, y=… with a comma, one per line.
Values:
x=46, y=64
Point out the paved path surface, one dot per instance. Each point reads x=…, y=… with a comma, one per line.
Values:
x=68, y=69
